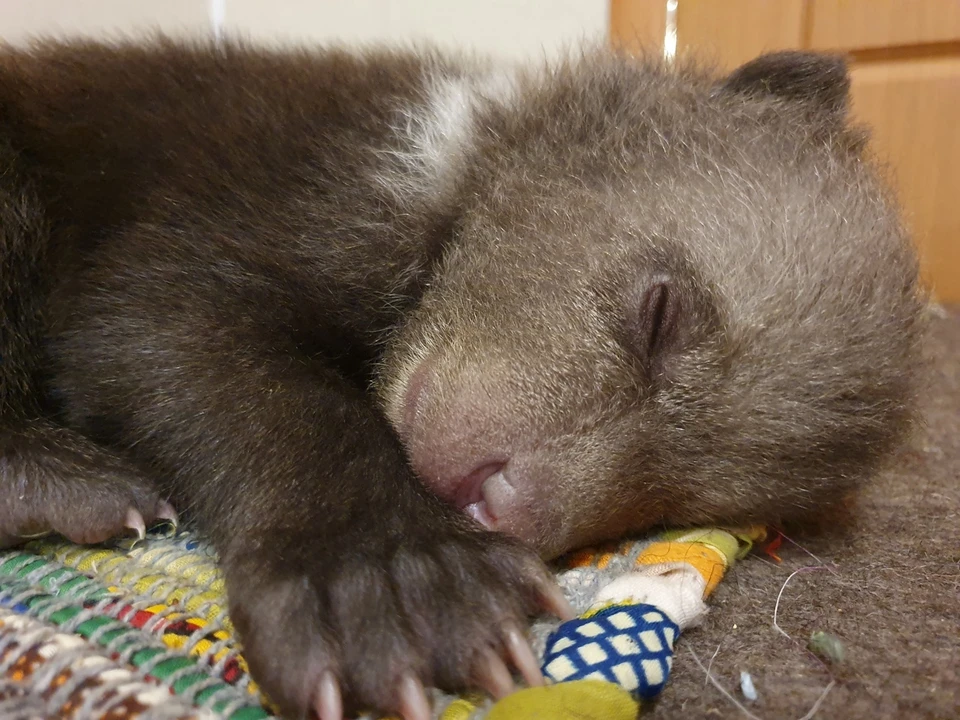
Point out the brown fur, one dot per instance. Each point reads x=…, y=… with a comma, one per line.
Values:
x=644, y=295
x=798, y=291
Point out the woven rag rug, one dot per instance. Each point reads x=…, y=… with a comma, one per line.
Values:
x=140, y=630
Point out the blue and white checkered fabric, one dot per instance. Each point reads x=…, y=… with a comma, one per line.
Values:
x=631, y=645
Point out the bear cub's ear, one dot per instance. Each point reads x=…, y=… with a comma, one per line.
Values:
x=817, y=79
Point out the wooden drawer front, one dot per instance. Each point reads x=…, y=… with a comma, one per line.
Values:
x=734, y=31
x=871, y=24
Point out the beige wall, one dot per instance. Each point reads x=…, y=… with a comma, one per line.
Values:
x=506, y=27
x=511, y=28
x=19, y=19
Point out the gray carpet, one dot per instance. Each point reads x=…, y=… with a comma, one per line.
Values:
x=892, y=595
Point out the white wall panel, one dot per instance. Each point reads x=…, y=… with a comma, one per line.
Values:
x=20, y=19
x=509, y=28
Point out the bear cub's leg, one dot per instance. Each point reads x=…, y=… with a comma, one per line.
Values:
x=53, y=479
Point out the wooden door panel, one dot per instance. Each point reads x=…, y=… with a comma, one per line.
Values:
x=638, y=25
x=914, y=110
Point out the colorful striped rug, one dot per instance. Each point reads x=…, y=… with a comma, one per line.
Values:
x=139, y=630
x=119, y=632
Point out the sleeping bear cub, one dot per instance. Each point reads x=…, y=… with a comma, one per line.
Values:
x=391, y=327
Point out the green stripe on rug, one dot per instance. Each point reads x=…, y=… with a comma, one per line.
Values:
x=51, y=592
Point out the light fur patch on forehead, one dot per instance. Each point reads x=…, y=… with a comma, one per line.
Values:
x=435, y=136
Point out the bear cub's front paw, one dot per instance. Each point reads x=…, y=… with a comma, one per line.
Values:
x=366, y=626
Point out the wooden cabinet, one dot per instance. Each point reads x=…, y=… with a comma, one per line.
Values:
x=905, y=70
x=881, y=24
